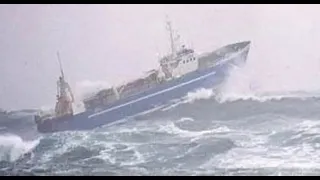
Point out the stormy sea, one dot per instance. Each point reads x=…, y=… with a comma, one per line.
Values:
x=207, y=132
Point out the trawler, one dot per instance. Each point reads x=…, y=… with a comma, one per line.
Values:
x=179, y=72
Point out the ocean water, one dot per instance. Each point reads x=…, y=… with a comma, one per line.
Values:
x=201, y=134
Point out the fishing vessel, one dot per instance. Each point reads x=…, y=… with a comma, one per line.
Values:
x=179, y=72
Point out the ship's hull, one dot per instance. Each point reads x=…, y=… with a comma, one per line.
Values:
x=162, y=94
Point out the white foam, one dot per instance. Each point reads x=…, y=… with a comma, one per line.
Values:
x=302, y=156
x=201, y=93
x=171, y=128
x=185, y=119
x=256, y=152
x=12, y=147
x=191, y=97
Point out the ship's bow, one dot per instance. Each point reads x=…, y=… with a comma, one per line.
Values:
x=240, y=53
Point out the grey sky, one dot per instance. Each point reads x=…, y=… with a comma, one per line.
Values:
x=112, y=43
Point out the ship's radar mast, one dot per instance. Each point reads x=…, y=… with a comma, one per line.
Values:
x=172, y=44
x=173, y=38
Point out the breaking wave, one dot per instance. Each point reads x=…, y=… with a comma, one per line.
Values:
x=12, y=147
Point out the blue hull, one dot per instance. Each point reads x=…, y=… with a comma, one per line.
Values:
x=160, y=95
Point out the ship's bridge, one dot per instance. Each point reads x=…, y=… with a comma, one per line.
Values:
x=184, y=51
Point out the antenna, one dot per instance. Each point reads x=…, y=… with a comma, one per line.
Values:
x=61, y=70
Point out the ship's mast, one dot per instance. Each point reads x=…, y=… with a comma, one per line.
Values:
x=169, y=28
x=61, y=70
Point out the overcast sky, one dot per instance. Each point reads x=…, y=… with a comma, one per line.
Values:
x=111, y=43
